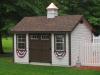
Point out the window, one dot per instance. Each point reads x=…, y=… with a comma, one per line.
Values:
x=59, y=42
x=45, y=37
x=60, y=50
x=34, y=37
x=21, y=41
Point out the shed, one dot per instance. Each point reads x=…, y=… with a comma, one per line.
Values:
x=51, y=39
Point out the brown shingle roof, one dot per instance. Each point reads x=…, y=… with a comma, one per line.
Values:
x=42, y=23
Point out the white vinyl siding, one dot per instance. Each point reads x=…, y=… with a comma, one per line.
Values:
x=56, y=61
x=25, y=59
x=79, y=36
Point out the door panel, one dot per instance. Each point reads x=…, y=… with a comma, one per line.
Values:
x=40, y=50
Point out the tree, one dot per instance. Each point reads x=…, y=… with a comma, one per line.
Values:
x=11, y=11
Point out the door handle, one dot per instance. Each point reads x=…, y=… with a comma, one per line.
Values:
x=50, y=48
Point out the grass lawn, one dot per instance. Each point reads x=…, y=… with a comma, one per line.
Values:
x=7, y=67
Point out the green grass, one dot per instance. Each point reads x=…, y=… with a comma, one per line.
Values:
x=8, y=68
x=7, y=44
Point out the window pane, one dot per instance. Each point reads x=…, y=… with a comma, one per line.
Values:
x=18, y=36
x=45, y=37
x=18, y=39
x=59, y=38
x=59, y=42
x=59, y=46
x=23, y=36
x=20, y=45
x=21, y=41
x=34, y=37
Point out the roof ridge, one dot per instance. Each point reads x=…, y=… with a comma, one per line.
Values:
x=56, y=16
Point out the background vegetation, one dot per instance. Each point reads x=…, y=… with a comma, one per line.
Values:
x=12, y=11
x=7, y=43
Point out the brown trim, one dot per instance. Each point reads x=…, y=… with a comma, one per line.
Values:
x=31, y=32
x=86, y=22
x=29, y=47
x=77, y=23
x=69, y=39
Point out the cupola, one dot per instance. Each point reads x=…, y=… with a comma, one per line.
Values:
x=52, y=11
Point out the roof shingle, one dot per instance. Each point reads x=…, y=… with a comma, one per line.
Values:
x=42, y=23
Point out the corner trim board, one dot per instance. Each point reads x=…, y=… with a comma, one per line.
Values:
x=69, y=39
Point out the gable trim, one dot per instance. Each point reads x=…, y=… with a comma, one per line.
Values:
x=85, y=22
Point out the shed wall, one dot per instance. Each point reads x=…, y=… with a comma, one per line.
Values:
x=25, y=59
x=63, y=61
x=79, y=35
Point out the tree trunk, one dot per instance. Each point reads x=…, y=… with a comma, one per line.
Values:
x=1, y=48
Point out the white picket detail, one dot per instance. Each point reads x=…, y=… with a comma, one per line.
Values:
x=96, y=39
x=90, y=54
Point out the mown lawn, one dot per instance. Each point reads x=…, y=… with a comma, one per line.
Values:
x=7, y=67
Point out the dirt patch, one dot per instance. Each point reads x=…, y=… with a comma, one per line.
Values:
x=90, y=68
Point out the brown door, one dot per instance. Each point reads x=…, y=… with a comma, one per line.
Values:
x=40, y=48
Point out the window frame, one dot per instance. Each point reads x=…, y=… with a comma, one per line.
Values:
x=45, y=37
x=21, y=41
x=34, y=36
x=63, y=42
